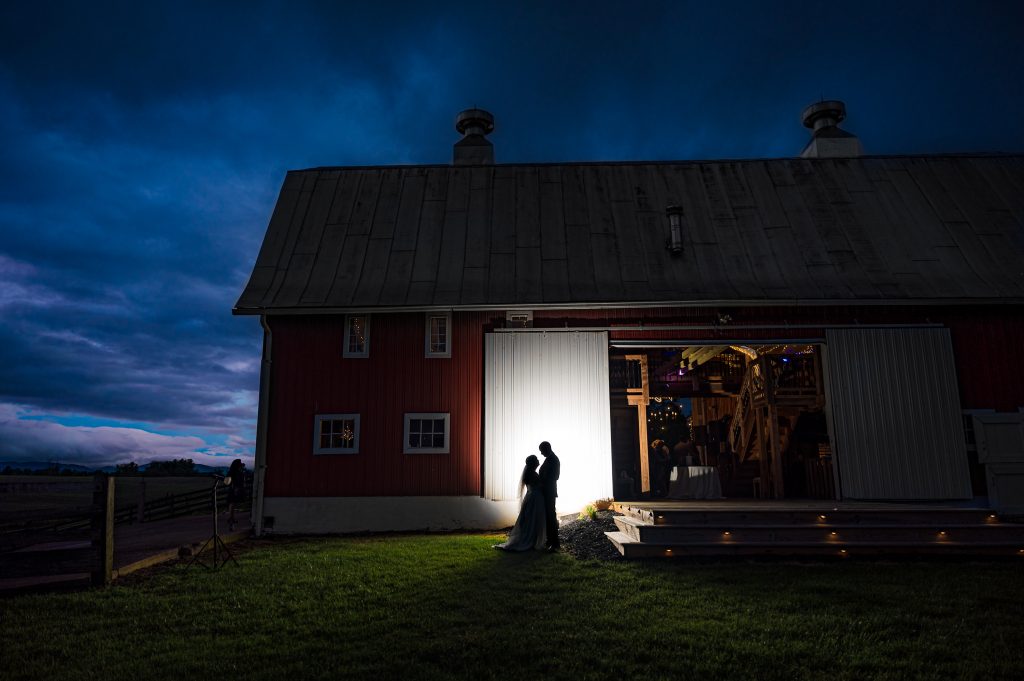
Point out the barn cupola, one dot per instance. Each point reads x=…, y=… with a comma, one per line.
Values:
x=474, y=148
x=827, y=140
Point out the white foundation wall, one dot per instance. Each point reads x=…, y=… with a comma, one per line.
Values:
x=331, y=515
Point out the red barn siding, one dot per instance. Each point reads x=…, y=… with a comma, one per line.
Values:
x=309, y=376
x=989, y=351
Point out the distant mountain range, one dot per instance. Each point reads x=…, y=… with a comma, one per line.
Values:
x=200, y=468
x=43, y=465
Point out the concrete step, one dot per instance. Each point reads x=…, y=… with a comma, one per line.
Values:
x=830, y=533
x=624, y=543
x=767, y=515
x=631, y=548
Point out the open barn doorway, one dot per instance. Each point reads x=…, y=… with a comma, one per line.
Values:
x=713, y=420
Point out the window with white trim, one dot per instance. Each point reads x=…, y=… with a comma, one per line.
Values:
x=426, y=434
x=336, y=434
x=357, y=336
x=438, y=341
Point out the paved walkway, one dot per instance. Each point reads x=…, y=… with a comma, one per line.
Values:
x=137, y=546
x=133, y=543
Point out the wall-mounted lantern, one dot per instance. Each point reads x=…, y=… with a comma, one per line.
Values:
x=674, y=242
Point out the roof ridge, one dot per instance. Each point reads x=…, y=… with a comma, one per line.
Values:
x=669, y=162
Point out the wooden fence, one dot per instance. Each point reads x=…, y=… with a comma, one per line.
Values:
x=65, y=550
x=95, y=556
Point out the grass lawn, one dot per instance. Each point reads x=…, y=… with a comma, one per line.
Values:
x=443, y=606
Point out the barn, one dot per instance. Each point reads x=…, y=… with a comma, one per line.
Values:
x=833, y=326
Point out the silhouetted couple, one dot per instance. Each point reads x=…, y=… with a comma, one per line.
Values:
x=537, y=525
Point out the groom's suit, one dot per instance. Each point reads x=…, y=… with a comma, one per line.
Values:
x=549, y=472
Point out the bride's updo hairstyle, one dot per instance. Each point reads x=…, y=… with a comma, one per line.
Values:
x=532, y=462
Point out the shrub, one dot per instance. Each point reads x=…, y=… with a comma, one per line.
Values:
x=589, y=512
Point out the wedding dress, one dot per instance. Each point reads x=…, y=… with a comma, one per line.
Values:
x=530, y=530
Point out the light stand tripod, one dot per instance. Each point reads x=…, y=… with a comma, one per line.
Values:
x=218, y=543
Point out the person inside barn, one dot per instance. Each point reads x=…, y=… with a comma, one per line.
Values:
x=236, y=490
x=661, y=468
x=530, y=531
x=549, y=474
x=684, y=453
x=625, y=488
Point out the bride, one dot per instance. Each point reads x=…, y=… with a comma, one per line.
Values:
x=529, y=531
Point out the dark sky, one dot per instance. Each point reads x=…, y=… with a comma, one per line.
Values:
x=144, y=144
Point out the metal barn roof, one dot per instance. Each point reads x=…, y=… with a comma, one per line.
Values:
x=888, y=229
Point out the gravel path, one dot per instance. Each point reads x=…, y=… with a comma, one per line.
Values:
x=585, y=538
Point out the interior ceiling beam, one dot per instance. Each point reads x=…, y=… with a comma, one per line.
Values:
x=706, y=354
x=690, y=351
x=746, y=350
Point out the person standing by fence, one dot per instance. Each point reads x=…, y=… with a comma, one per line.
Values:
x=236, y=490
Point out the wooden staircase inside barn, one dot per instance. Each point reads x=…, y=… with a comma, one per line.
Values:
x=665, y=530
x=775, y=390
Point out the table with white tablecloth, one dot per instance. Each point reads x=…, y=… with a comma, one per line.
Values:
x=694, y=482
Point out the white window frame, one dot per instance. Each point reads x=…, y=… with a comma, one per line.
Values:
x=320, y=418
x=447, y=352
x=348, y=332
x=436, y=416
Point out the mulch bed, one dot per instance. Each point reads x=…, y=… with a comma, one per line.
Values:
x=584, y=539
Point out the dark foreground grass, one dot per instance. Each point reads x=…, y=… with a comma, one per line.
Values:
x=433, y=607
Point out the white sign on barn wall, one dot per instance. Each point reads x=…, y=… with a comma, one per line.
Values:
x=1000, y=439
x=548, y=386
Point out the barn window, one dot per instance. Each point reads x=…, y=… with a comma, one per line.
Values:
x=336, y=434
x=357, y=336
x=438, y=335
x=426, y=434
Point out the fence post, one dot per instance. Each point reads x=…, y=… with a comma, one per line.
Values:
x=103, y=528
x=142, y=501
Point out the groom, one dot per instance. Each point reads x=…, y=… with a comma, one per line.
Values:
x=549, y=472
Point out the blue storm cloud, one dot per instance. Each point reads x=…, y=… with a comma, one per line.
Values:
x=144, y=145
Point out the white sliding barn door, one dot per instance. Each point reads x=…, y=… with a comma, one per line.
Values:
x=895, y=411
x=548, y=386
